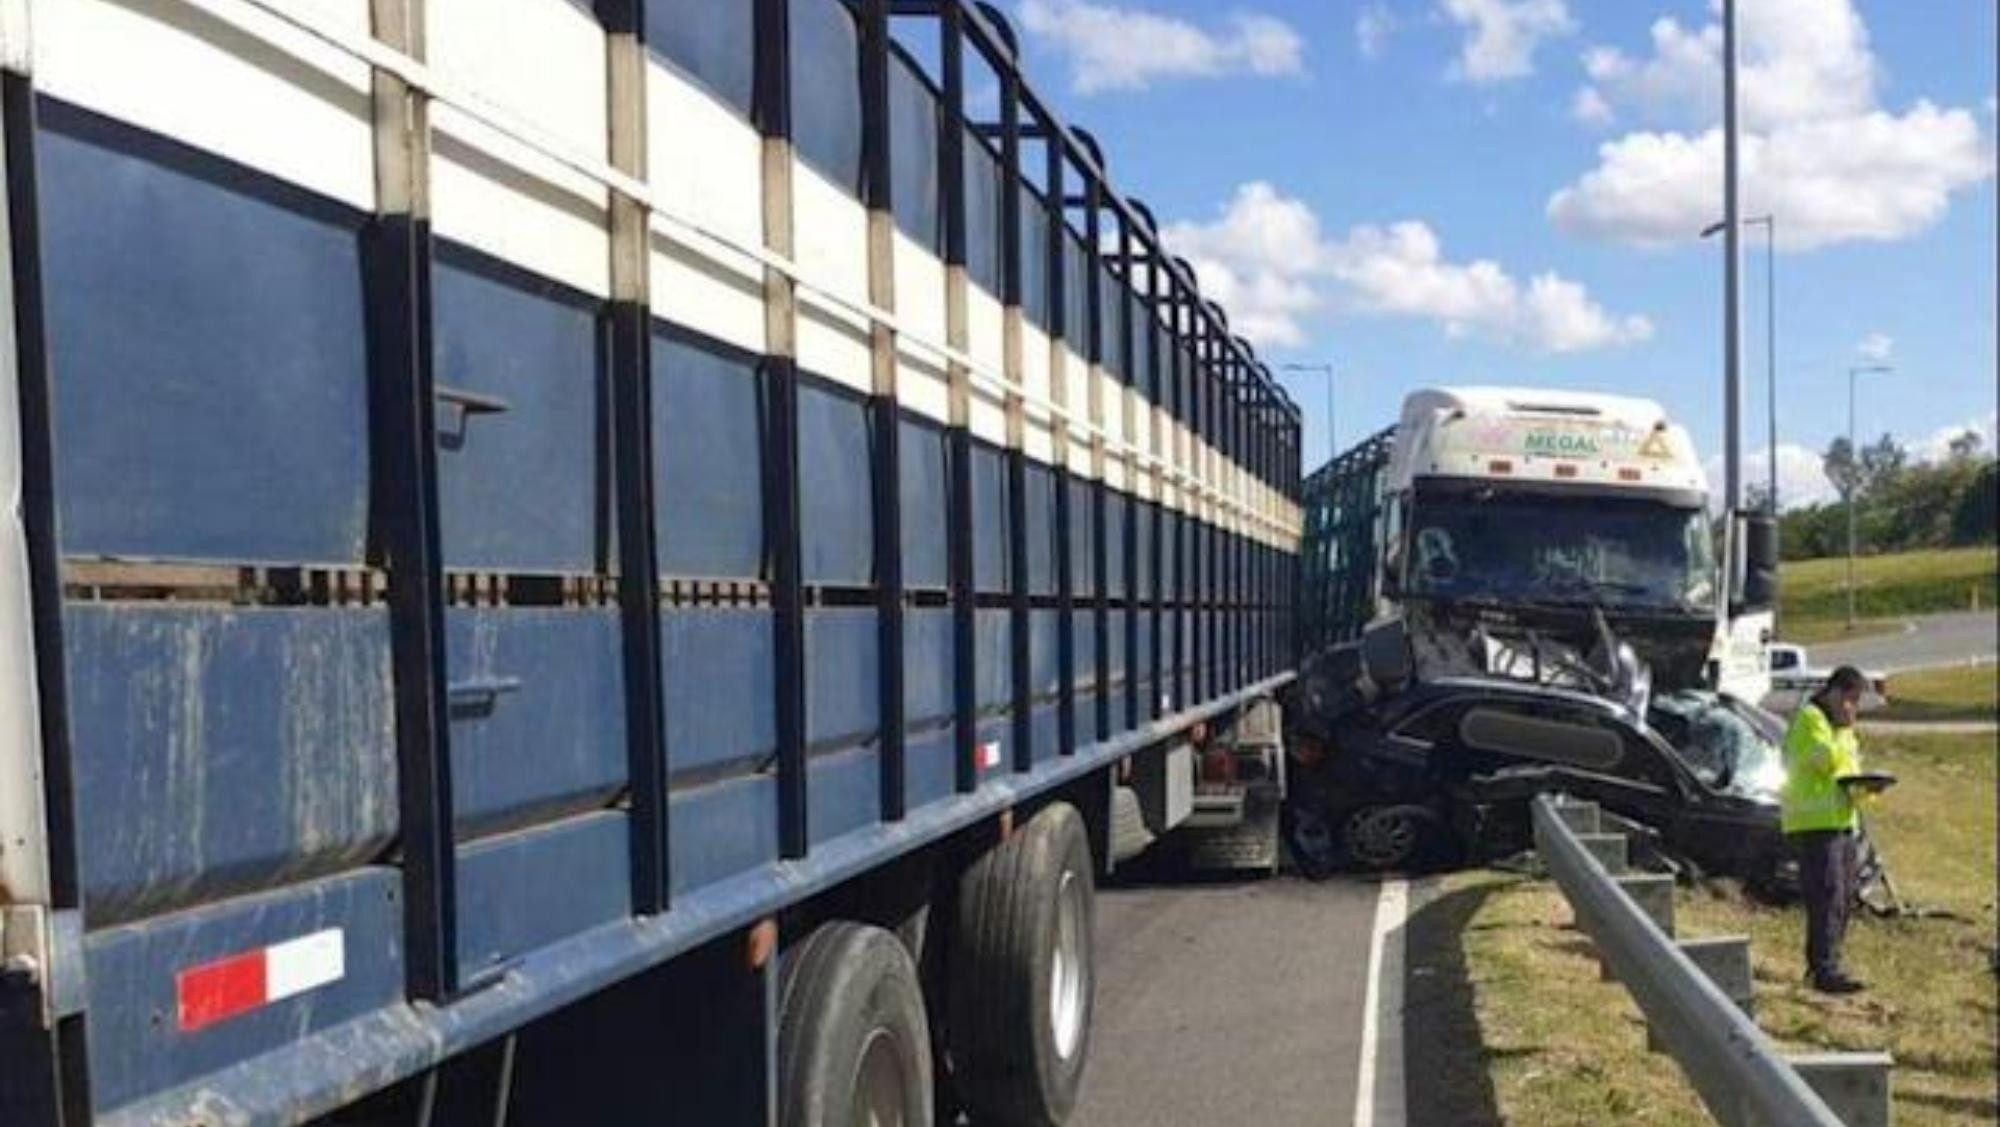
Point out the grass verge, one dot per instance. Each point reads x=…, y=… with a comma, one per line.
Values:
x=1560, y=1047
x=1812, y=600
x=1813, y=631
x=1958, y=692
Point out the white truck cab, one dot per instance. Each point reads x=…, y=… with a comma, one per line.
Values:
x=1511, y=507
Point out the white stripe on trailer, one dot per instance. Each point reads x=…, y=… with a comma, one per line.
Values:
x=306, y=963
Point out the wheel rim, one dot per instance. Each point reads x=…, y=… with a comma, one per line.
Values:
x=1066, y=969
x=878, y=1084
x=1382, y=838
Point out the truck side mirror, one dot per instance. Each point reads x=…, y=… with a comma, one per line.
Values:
x=1754, y=563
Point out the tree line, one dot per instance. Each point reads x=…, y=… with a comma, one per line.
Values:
x=1900, y=505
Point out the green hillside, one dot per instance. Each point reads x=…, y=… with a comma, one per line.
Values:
x=1812, y=604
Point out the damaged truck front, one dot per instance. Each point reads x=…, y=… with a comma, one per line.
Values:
x=1545, y=560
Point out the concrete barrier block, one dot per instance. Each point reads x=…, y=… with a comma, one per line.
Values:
x=1609, y=849
x=1854, y=1085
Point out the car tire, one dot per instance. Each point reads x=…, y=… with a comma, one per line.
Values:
x=854, y=1044
x=1021, y=975
x=1386, y=838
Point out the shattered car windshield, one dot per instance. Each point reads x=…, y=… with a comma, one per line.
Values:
x=1727, y=744
x=1601, y=550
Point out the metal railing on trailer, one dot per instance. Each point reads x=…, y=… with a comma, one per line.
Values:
x=1694, y=1009
x=1341, y=543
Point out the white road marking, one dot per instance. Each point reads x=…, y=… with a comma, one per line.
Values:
x=1382, y=1040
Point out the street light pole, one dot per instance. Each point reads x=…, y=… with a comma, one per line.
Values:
x=1770, y=225
x=1732, y=297
x=1332, y=440
x=1854, y=477
x=1771, y=355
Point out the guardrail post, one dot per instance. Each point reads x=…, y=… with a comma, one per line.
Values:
x=1580, y=817
x=1653, y=893
x=1854, y=1085
x=1725, y=959
x=1609, y=849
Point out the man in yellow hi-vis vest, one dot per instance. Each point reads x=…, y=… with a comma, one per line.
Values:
x=1819, y=819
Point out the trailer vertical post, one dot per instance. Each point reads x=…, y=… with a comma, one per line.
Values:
x=398, y=289
x=1156, y=509
x=958, y=504
x=1128, y=393
x=46, y=1078
x=771, y=111
x=1056, y=144
x=631, y=379
x=877, y=195
x=1017, y=457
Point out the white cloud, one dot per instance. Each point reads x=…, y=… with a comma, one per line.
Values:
x=1937, y=447
x=1800, y=60
x=1372, y=29
x=1501, y=35
x=1267, y=260
x=1119, y=48
x=1878, y=177
x=1876, y=348
x=1801, y=480
x=1818, y=149
x=1589, y=107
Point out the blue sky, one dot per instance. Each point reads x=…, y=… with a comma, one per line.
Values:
x=1452, y=191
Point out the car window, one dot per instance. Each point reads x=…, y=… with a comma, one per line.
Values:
x=1784, y=659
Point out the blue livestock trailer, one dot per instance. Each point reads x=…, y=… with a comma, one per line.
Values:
x=575, y=562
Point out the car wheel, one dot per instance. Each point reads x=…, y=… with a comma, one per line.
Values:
x=1389, y=837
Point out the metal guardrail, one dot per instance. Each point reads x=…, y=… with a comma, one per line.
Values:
x=1739, y=1073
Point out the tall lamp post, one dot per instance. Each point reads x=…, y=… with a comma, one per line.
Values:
x=1854, y=475
x=1332, y=443
x=1770, y=225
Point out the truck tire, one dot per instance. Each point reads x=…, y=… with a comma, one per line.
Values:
x=1021, y=974
x=854, y=1046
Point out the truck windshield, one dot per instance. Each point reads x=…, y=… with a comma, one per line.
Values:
x=1611, y=551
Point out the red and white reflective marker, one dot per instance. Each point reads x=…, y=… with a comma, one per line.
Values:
x=989, y=755
x=236, y=985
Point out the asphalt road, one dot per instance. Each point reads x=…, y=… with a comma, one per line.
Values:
x=1939, y=639
x=1228, y=1004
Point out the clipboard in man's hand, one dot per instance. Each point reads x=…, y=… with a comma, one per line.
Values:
x=1868, y=782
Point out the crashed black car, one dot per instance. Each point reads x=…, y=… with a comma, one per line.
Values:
x=1440, y=772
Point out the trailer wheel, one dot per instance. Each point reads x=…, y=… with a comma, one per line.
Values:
x=1021, y=974
x=854, y=1047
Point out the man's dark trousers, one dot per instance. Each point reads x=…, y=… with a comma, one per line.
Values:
x=1826, y=879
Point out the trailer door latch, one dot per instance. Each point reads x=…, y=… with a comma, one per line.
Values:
x=41, y=963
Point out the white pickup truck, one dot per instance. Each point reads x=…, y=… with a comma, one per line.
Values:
x=1793, y=677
